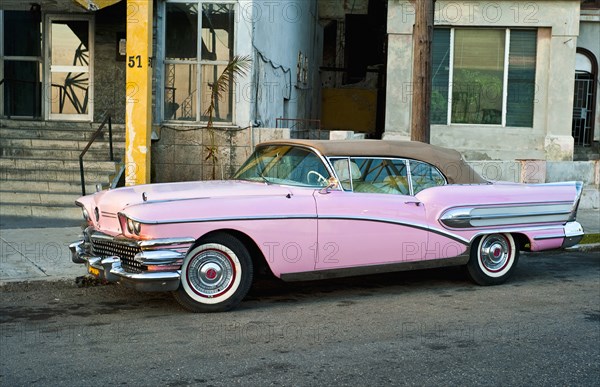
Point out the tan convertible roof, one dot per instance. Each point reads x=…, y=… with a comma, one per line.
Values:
x=449, y=161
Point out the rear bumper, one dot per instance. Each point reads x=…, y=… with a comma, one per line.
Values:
x=156, y=270
x=573, y=234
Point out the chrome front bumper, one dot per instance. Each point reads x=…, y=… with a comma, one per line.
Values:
x=573, y=234
x=165, y=262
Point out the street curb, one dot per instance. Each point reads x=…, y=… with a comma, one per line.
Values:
x=5, y=282
x=587, y=248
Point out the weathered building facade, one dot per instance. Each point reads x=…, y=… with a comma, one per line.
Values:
x=64, y=66
x=502, y=77
x=512, y=80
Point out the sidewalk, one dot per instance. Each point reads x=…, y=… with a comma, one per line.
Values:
x=30, y=253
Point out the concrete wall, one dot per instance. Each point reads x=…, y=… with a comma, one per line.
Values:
x=109, y=74
x=550, y=137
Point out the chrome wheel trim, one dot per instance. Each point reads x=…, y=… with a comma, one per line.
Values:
x=212, y=274
x=496, y=254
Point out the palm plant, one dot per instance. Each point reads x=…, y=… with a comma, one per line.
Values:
x=239, y=65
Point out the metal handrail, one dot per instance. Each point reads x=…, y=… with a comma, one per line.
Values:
x=107, y=118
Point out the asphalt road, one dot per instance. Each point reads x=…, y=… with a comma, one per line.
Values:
x=420, y=328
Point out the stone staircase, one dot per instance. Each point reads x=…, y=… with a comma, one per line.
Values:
x=39, y=166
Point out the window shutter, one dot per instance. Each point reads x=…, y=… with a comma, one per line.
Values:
x=521, y=78
x=440, y=73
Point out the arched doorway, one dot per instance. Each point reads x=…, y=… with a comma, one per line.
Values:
x=584, y=102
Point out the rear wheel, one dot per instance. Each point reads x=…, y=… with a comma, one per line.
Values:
x=493, y=259
x=216, y=275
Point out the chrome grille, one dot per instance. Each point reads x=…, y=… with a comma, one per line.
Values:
x=104, y=248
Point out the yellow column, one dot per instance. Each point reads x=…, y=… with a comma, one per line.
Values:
x=138, y=113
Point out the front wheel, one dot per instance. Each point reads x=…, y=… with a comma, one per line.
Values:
x=493, y=259
x=216, y=275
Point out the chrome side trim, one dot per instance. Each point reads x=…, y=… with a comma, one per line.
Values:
x=376, y=269
x=516, y=230
x=579, y=188
x=546, y=237
x=314, y=217
x=224, y=219
x=469, y=217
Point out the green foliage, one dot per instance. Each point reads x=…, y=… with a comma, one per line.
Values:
x=475, y=91
x=239, y=65
x=590, y=238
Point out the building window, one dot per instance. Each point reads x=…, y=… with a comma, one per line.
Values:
x=21, y=62
x=590, y=4
x=490, y=74
x=199, y=43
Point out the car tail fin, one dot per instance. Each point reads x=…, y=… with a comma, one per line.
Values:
x=579, y=189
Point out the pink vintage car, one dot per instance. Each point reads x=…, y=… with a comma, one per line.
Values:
x=320, y=209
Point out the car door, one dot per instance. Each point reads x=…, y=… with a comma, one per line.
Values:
x=373, y=220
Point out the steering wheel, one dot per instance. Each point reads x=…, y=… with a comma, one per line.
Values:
x=320, y=178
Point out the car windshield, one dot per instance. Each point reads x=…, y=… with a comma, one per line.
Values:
x=284, y=164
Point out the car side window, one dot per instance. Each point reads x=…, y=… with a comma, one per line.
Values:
x=424, y=175
x=373, y=175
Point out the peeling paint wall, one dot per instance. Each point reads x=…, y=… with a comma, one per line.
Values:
x=273, y=34
x=286, y=33
x=109, y=73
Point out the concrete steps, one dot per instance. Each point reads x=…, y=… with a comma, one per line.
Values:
x=41, y=211
x=39, y=166
x=587, y=153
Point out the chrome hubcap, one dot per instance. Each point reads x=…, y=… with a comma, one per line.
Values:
x=495, y=252
x=210, y=273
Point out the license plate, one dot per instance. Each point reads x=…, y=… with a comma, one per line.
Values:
x=93, y=271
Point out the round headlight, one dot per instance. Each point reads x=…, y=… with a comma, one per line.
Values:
x=137, y=227
x=86, y=216
x=130, y=226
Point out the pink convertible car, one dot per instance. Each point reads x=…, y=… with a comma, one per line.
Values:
x=317, y=210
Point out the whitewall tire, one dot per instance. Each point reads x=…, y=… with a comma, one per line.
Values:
x=493, y=259
x=216, y=275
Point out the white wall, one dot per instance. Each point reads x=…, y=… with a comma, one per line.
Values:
x=589, y=38
x=550, y=137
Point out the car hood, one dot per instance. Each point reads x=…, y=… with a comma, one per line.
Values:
x=110, y=203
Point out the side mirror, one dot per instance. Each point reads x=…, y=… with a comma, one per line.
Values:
x=332, y=183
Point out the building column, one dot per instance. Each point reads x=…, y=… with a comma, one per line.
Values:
x=559, y=143
x=138, y=109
